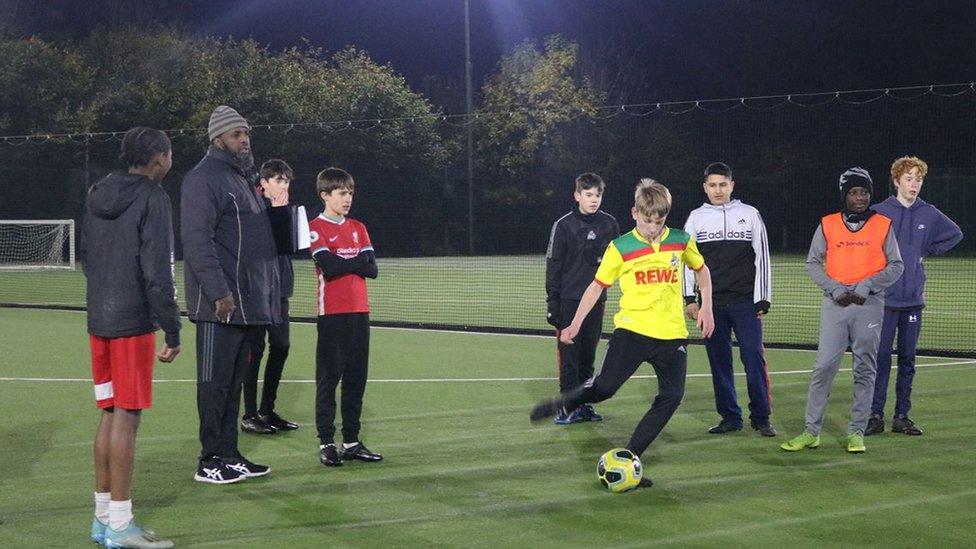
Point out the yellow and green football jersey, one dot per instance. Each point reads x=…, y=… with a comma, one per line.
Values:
x=650, y=277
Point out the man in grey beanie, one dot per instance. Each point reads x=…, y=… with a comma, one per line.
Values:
x=232, y=285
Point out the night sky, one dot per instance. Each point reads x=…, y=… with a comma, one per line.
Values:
x=681, y=49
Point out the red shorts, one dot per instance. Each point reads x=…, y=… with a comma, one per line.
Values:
x=122, y=370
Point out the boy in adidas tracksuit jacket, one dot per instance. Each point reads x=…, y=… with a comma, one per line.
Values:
x=732, y=238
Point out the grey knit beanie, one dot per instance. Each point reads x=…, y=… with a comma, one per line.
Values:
x=225, y=119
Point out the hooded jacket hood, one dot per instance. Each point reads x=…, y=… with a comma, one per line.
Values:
x=111, y=196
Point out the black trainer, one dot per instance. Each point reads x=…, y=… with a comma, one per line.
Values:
x=246, y=467
x=645, y=482
x=329, y=455
x=278, y=422
x=905, y=426
x=546, y=409
x=360, y=452
x=765, y=429
x=876, y=426
x=215, y=471
x=256, y=425
x=725, y=427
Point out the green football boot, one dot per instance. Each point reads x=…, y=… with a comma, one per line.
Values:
x=855, y=443
x=805, y=440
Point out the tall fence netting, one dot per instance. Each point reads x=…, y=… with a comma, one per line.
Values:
x=440, y=267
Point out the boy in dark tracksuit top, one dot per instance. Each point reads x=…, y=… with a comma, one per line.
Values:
x=922, y=230
x=344, y=259
x=276, y=176
x=576, y=244
x=732, y=238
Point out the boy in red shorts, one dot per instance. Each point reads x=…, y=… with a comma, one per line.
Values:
x=128, y=260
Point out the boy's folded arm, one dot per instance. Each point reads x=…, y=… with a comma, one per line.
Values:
x=369, y=269
x=333, y=265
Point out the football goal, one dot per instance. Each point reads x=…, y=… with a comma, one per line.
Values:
x=37, y=244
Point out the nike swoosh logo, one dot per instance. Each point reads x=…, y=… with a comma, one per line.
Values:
x=874, y=325
x=333, y=239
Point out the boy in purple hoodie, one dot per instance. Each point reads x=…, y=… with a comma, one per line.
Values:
x=922, y=230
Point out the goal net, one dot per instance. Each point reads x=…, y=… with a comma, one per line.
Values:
x=37, y=244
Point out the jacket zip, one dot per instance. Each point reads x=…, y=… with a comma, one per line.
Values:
x=240, y=245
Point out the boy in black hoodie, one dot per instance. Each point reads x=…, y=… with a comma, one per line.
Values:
x=127, y=253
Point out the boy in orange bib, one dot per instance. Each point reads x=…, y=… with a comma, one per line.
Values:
x=853, y=257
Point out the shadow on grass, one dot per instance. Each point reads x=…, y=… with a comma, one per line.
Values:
x=25, y=443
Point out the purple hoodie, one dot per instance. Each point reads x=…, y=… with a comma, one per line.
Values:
x=922, y=230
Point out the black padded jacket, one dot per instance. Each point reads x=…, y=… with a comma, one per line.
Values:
x=228, y=244
x=127, y=254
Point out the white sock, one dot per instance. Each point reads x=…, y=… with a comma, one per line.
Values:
x=119, y=514
x=348, y=445
x=101, y=506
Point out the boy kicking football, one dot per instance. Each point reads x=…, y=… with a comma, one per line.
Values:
x=650, y=325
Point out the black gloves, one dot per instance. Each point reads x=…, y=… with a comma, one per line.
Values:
x=849, y=298
x=554, y=315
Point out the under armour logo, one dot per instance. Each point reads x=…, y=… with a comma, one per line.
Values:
x=913, y=318
x=591, y=235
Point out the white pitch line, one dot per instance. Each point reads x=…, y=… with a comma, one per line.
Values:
x=465, y=379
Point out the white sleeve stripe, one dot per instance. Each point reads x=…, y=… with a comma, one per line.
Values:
x=104, y=391
x=689, y=278
x=552, y=235
x=760, y=244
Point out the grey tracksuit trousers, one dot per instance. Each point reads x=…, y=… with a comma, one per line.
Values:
x=860, y=327
x=857, y=326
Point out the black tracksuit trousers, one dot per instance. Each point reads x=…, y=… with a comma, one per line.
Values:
x=222, y=351
x=575, y=361
x=626, y=351
x=279, y=341
x=341, y=355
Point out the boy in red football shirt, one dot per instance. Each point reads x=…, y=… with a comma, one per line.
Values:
x=344, y=259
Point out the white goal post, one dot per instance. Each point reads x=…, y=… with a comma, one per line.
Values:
x=37, y=244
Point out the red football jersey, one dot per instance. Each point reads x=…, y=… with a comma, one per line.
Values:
x=347, y=238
